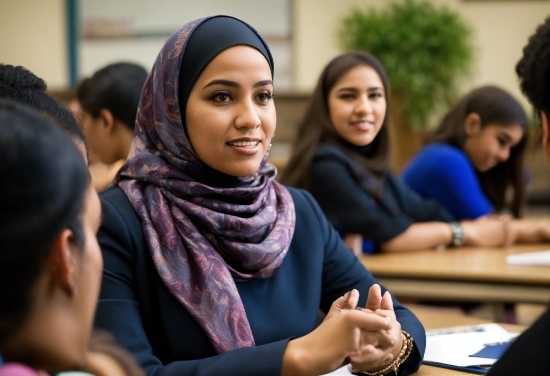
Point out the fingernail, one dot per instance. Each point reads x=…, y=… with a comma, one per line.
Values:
x=347, y=295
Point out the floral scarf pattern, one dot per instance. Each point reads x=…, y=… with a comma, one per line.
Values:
x=202, y=238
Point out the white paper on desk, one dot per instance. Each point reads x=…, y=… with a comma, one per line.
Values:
x=455, y=349
x=342, y=371
x=531, y=258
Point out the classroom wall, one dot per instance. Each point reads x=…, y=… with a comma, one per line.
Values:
x=37, y=37
x=148, y=24
x=33, y=35
x=500, y=30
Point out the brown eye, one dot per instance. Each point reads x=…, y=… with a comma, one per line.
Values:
x=264, y=96
x=347, y=97
x=375, y=95
x=221, y=97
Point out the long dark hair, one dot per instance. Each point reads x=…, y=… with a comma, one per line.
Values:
x=43, y=181
x=316, y=126
x=493, y=106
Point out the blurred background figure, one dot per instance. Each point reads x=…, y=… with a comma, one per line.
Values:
x=473, y=161
x=107, y=103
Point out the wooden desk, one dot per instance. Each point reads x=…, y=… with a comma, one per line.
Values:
x=464, y=274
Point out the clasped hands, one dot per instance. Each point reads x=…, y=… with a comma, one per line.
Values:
x=367, y=339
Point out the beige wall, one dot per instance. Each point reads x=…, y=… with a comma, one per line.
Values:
x=501, y=29
x=33, y=35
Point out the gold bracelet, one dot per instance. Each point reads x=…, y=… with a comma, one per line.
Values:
x=406, y=349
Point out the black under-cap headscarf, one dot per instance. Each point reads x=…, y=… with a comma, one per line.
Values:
x=210, y=38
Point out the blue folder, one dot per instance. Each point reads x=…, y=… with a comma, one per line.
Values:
x=491, y=352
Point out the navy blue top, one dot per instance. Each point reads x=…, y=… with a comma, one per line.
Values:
x=445, y=173
x=145, y=318
x=350, y=208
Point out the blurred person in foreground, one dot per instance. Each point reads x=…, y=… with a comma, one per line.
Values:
x=528, y=354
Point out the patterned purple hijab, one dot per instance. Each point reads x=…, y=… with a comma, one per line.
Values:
x=204, y=229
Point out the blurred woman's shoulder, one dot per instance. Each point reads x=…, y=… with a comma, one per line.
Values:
x=437, y=155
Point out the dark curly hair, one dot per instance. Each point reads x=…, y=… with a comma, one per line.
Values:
x=21, y=85
x=533, y=69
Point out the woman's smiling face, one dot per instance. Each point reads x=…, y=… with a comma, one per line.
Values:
x=357, y=105
x=492, y=144
x=230, y=114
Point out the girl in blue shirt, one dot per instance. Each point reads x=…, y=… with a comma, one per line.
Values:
x=475, y=156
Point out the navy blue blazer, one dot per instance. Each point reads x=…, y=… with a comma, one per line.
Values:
x=145, y=318
x=349, y=207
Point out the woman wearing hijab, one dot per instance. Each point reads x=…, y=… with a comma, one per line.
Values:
x=211, y=266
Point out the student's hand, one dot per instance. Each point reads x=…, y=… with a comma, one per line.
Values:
x=348, y=301
x=388, y=342
x=543, y=226
x=499, y=217
x=375, y=303
x=374, y=299
x=487, y=232
x=343, y=337
x=355, y=243
x=530, y=230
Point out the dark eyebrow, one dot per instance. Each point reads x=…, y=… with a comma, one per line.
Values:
x=263, y=83
x=376, y=88
x=234, y=84
x=370, y=89
x=222, y=82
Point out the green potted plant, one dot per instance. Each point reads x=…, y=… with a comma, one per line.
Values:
x=426, y=51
